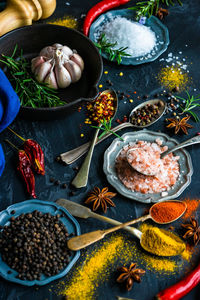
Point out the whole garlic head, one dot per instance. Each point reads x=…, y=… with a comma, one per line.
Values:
x=58, y=66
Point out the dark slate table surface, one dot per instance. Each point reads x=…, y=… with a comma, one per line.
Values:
x=61, y=135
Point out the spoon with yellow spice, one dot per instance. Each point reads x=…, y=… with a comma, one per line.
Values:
x=154, y=240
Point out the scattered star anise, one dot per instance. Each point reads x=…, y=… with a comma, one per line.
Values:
x=180, y=124
x=100, y=198
x=193, y=230
x=129, y=275
x=162, y=12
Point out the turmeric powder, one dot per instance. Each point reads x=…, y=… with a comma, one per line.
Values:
x=161, y=242
x=172, y=77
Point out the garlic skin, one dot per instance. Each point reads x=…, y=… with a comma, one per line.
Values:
x=58, y=66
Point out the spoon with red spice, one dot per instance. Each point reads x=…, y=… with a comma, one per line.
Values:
x=105, y=109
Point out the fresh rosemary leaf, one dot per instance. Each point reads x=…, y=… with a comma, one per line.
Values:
x=188, y=104
x=30, y=92
x=106, y=128
x=113, y=54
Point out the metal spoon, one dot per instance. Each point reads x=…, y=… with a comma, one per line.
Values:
x=192, y=141
x=81, y=178
x=86, y=239
x=72, y=155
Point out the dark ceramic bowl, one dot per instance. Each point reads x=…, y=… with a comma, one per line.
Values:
x=35, y=37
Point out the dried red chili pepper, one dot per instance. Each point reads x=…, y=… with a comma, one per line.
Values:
x=36, y=155
x=24, y=167
x=98, y=9
x=34, y=152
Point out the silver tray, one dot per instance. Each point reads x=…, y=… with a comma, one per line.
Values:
x=185, y=162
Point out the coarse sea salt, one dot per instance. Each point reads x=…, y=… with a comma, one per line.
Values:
x=139, y=38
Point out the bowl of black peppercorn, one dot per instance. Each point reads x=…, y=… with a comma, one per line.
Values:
x=33, y=242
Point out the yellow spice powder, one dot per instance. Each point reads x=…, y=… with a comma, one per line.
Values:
x=67, y=21
x=172, y=77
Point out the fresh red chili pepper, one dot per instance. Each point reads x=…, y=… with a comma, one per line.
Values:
x=24, y=167
x=98, y=9
x=34, y=152
x=36, y=155
x=182, y=288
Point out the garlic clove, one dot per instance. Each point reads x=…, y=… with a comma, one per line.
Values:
x=74, y=70
x=35, y=62
x=63, y=77
x=51, y=80
x=78, y=60
x=67, y=51
x=42, y=71
x=47, y=52
x=56, y=45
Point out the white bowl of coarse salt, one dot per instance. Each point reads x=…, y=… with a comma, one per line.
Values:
x=143, y=43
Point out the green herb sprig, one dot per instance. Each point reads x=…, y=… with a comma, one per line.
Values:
x=113, y=54
x=30, y=92
x=106, y=128
x=150, y=7
x=189, y=103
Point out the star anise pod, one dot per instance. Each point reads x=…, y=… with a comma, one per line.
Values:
x=193, y=230
x=162, y=12
x=100, y=198
x=180, y=124
x=129, y=275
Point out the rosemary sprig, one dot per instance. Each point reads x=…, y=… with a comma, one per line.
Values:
x=113, y=54
x=106, y=127
x=150, y=7
x=30, y=92
x=189, y=103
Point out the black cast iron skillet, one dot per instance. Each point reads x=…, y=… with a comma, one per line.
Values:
x=35, y=37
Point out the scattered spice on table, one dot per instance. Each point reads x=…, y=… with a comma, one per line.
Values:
x=67, y=21
x=94, y=270
x=129, y=275
x=161, y=242
x=100, y=198
x=192, y=206
x=167, y=211
x=172, y=77
x=193, y=230
x=147, y=114
x=34, y=244
x=179, y=124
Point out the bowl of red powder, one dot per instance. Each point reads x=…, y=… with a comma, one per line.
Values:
x=171, y=180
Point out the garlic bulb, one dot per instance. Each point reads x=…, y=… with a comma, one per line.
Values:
x=58, y=66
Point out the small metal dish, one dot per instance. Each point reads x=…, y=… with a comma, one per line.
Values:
x=185, y=163
x=45, y=207
x=160, y=30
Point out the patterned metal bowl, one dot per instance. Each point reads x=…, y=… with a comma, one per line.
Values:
x=185, y=163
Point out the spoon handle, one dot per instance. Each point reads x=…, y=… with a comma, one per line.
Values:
x=72, y=155
x=192, y=141
x=81, y=178
x=86, y=239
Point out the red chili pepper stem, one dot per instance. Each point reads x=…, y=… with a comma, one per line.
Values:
x=19, y=136
x=11, y=144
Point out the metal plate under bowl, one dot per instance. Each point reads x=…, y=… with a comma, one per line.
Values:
x=185, y=163
x=45, y=207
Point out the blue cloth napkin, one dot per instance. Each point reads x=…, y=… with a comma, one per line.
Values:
x=9, y=108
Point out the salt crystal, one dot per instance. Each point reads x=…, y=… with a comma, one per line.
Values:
x=139, y=38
